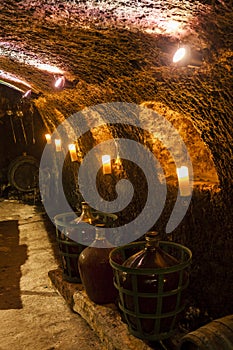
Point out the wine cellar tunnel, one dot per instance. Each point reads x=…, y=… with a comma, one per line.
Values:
x=100, y=54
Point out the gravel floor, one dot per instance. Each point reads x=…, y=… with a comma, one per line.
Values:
x=44, y=321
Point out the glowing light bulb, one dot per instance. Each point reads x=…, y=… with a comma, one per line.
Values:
x=59, y=82
x=27, y=94
x=179, y=55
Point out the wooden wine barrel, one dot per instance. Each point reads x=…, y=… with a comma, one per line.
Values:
x=23, y=173
x=216, y=335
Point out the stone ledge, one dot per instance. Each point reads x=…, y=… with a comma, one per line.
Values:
x=105, y=320
x=64, y=288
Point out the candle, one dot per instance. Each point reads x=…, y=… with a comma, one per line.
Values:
x=183, y=178
x=106, y=161
x=72, y=150
x=58, y=145
x=48, y=138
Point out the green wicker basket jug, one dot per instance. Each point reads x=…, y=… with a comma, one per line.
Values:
x=70, y=250
x=132, y=316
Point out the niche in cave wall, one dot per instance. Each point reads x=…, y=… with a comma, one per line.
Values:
x=21, y=133
x=204, y=171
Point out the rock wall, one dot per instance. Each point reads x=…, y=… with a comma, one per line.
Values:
x=130, y=60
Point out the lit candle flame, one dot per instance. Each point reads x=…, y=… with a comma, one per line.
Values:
x=106, y=161
x=72, y=150
x=58, y=145
x=48, y=138
x=183, y=178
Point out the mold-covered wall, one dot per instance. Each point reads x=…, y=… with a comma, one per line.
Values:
x=107, y=56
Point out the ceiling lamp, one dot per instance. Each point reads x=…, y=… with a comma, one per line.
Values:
x=59, y=82
x=179, y=55
x=184, y=56
x=27, y=94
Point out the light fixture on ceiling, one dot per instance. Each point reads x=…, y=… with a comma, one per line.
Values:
x=185, y=56
x=179, y=55
x=27, y=94
x=59, y=82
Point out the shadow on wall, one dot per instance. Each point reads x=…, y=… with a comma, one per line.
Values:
x=12, y=256
x=207, y=231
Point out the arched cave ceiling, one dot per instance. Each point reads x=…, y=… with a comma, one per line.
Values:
x=122, y=51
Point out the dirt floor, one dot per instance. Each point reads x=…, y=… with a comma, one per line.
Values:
x=32, y=314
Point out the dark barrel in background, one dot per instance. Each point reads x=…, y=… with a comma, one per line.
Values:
x=23, y=173
x=216, y=335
